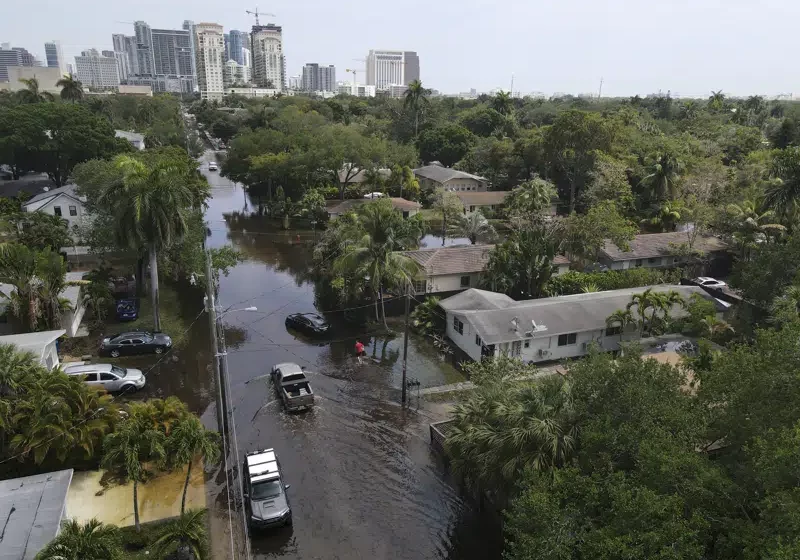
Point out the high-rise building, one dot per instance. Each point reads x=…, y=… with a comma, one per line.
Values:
x=172, y=60
x=8, y=57
x=96, y=71
x=235, y=74
x=144, y=49
x=247, y=59
x=127, y=44
x=188, y=25
x=318, y=78
x=55, y=56
x=386, y=68
x=295, y=82
x=209, y=60
x=237, y=40
x=269, y=63
x=27, y=58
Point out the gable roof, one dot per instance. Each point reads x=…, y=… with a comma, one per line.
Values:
x=660, y=245
x=443, y=174
x=43, y=198
x=342, y=206
x=32, y=508
x=458, y=259
x=485, y=198
x=491, y=314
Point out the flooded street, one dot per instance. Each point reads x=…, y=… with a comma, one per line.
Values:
x=364, y=481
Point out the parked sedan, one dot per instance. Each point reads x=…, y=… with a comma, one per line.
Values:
x=110, y=377
x=212, y=166
x=709, y=282
x=129, y=343
x=310, y=323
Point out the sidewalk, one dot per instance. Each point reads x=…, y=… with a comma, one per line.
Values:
x=469, y=385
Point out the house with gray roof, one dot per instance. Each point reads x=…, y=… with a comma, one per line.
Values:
x=485, y=324
x=658, y=250
x=31, y=510
x=135, y=138
x=65, y=203
x=457, y=268
x=437, y=176
x=338, y=207
x=41, y=344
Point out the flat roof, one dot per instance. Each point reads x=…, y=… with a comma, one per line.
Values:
x=31, y=509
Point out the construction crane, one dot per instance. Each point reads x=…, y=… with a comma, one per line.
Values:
x=257, y=13
x=354, y=89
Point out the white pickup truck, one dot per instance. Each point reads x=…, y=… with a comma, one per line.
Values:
x=292, y=386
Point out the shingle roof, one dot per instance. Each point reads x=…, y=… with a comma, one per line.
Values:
x=442, y=174
x=458, y=259
x=659, y=245
x=342, y=206
x=31, y=509
x=361, y=176
x=485, y=198
x=52, y=193
x=491, y=314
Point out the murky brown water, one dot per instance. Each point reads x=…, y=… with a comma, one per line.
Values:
x=365, y=483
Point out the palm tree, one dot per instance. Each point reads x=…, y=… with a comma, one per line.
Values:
x=32, y=93
x=642, y=302
x=714, y=327
x=665, y=218
x=751, y=225
x=91, y=541
x=416, y=98
x=132, y=444
x=783, y=191
x=187, y=534
x=188, y=441
x=504, y=429
x=160, y=414
x=530, y=198
x=502, y=102
x=716, y=101
x=472, y=226
x=71, y=89
x=374, y=255
x=665, y=170
x=150, y=207
x=621, y=318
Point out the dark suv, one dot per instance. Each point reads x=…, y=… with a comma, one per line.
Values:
x=264, y=491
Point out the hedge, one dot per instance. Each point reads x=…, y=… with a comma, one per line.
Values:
x=574, y=282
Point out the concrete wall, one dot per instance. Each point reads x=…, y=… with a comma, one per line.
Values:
x=50, y=356
x=464, y=185
x=64, y=202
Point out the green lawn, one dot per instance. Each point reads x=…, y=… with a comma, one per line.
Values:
x=173, y=320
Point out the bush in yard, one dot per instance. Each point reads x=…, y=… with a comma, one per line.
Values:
x=575, y=282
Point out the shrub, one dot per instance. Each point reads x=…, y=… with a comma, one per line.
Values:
x=574, y=282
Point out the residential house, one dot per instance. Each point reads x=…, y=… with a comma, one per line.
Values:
x=457, y=268
x=658, y=250
x=70, y=318
x=493, y=200
x=136, y=139
x=338, y=207
x=32, y=508
x=361, y=176
x=436, y=176
x=485, y=324
x=41, y=344
x=63, y=202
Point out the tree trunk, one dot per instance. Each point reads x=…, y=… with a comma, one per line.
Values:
x=383, y=311
x=416, y=123
x=375, y=299
x=154, y=288
x=186, y=487
x=572, y=196
x=140, y=276
x=136, y=506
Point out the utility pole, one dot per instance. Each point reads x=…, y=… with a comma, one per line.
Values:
x=212, y=323
x=600, y=93
x=405, y=343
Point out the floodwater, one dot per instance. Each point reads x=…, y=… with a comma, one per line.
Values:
x=364, y=481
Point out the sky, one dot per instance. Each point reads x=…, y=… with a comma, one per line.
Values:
x=687, y=47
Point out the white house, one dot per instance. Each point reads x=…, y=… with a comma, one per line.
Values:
x=40, y=344
x=71, y=318
x=338, y=207
x=485, y=323
x=437, y=176
x=657, y=250
x=136, y=139
x=455, y=268
x=63, y=202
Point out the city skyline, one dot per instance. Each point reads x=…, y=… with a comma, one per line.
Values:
x=547, y=47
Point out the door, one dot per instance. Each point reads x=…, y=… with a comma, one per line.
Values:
x=109, y=381
x=138, y=346
x=125, y=347
x=91, y=379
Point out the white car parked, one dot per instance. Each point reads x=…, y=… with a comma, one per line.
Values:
x=110, y=377
x=708, y=282
x=212, y=166
x=374, y=195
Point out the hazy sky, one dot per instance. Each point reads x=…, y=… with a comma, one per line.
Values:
x=686, y=46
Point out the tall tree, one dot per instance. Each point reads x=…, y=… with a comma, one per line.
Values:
x=71, y=89
x=502, y=102
x=127, y=450
x=664, y=173
x=188, y=441
x=447, y=144
x=530, y=199
x=621, y=319
x=784, y=191
x=416, y=99
x=32, y=93
x=472, y=226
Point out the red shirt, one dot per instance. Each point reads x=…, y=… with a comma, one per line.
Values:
x=359, y=348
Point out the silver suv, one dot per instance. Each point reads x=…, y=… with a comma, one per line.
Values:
x=109, y=377
x=265, y=495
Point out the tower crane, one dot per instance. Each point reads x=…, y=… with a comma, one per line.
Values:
x=257, y=13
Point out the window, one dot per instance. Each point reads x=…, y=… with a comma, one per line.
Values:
x=73, y=210
x=458, y=326
x=419, y=286
x=675, y=260
x=527, y=344
x=516, y=348
x=465, y=281
x=57, y=210
x=567, y=339
x=613, y=331
x=653, y=260
x=478, y=341
x=137, y=341
x=107, y=377
x=90, y=377
x=639, y=263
